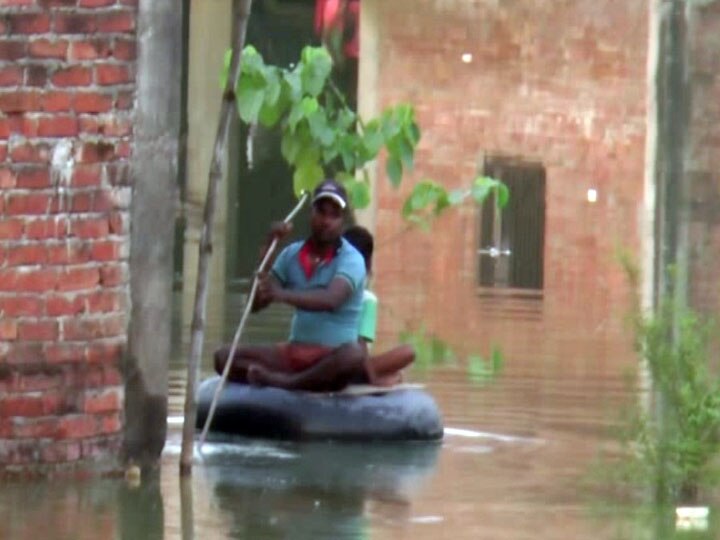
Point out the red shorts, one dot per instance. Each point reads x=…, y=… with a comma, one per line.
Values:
x=300, y=356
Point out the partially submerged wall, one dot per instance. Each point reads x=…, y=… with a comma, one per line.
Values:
x=67, y=88
x=559, y=84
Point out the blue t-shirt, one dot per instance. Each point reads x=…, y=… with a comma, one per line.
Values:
x=328, y=328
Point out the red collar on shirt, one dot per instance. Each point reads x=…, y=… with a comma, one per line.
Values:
x=305, y=257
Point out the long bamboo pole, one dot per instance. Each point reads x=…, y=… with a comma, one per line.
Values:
x=242, y=13
x=241, y=326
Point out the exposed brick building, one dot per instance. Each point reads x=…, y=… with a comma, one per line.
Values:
x=558, y=91
x=67, y=90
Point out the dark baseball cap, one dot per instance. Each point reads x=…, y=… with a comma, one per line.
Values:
x=330, y=189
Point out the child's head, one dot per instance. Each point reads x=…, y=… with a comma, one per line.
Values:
x=362, y=240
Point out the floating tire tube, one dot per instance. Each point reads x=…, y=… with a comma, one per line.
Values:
x=403, y=413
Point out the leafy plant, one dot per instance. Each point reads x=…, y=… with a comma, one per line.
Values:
x=322, y=136
x=431, y=351
x=482, y=371
x=429, y=199
x=671, y=436
x=320, y=133
x=679, y=438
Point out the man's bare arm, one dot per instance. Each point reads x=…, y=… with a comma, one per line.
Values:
x=262, y=297
x=278, y=231
x=326, y=299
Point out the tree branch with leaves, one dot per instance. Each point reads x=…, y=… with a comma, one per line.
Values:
x=322, y=136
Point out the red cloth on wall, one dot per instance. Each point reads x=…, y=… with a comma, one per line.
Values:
x=342, y=16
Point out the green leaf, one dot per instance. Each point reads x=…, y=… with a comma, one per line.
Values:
x=292, y=85
x=276, y=100
x=406, y=153
x=251, y=59
x=426, y=194
x=372, y=138
x=481, y=189
x=316, y=66
x=296, y=114
x=405, y=113
x=346, y=146
x=250, y=97
x=271, y=114
x=360, y=195
x=483, y=186
x=389, y=125
x=273, y=86
x=309, y=153
x=345, y=119
x=441, y=201
x=290, y=146
x=359, y=192
x=502, y=195
x=412, y=132
x=309, y=105
x=478, y=370
x=307, y=175
x=497, y=360
x=320, y=129
x=329, y=153
x=417, y=200
x=394, y=170
x=302, y=109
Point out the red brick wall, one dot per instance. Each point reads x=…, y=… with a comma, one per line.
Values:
x=66, y=100
x=563, y=83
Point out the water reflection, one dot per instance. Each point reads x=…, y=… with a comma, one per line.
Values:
x=82, y=510
x=255, y=490
x=308, y=490
x=390, y=471
x=142, y=512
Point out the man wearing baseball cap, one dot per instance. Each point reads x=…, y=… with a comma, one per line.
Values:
x=323, y=278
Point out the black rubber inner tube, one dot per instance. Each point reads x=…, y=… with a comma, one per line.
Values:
x=273, y=413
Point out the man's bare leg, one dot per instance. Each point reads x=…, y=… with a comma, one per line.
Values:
x=267, y=356
x=385, y=369
x=332, y=372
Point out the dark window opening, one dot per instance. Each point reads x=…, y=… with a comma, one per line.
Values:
x=512, y=241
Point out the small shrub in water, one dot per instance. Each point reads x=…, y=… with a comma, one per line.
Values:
x=677, y=437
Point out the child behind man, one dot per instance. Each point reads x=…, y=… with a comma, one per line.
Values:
x=382, y=369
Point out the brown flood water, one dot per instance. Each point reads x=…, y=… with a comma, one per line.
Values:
x=516, y=463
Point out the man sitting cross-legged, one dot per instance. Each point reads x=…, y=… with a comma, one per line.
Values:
x=323, y=278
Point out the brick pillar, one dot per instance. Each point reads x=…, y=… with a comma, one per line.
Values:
x=66, y=104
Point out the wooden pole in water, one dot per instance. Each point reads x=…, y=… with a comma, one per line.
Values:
x=241, y=326
x=241, y=10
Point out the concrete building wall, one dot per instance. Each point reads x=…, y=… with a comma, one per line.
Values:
x=702, y=157
x=560, y=83
x=210, y=37
x=67, y=84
